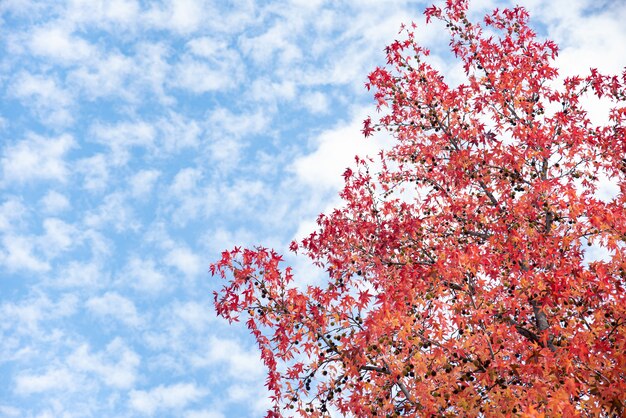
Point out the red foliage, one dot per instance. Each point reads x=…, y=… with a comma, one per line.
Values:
x=457, y=284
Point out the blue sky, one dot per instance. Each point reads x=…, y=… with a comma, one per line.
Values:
x=138, y=139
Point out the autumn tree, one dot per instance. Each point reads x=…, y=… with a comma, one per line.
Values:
x=457, y=278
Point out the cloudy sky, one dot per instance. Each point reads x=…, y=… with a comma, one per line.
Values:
x=139, y=138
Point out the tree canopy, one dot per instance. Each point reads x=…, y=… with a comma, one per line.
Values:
x=457, y=278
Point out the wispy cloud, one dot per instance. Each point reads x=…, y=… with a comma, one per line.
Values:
x=36, y=158
x=116, y=365
x=56, y=43
x=53, y=379
x=112, y=305
x=171, y=397
x=18, y=253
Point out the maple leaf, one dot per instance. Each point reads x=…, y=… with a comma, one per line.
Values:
x=367, y=127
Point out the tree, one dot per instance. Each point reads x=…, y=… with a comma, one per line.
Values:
x=457, y=283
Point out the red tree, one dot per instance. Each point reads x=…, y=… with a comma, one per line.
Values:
x=456, y=278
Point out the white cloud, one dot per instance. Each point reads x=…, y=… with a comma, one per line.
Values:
x=123, y=11
x=183, y=326
x=36, y=158
x=239, y=393
x=266, y=90
x=95, y=171
x=242, y=394
x=162, y=397
x=241, y=194
x=9, y=411
x=277, y=43
x=188, y=196
x=335, y=150
x=104, y=13
x=308, y=5
x=59, y=237
x=54, y=379
x=114, y=210
x=178, y=132
x=26, y=315
x=155, y=70
x=106, y=76
x=100, y=245
x=228, y=129
x=205, y=413
x=315, y=102
x=232, y=20
x=122, y=137
x=12, y=213
x=58, y=44
x=116, y=306
x=319, y=173
x=116, y=366
x=185, y=181
x=193, y=314
x=44, y=97
x=206, y=47
x=142, y=182
x=345, y=57
x=54, y=202
x=18, y=254
x=233, y=359
x=185, y=260
x=200, y=77
x=180, y=16
x=220, y=238
x=224, y=121
x=143, y=275
x=81, y=274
